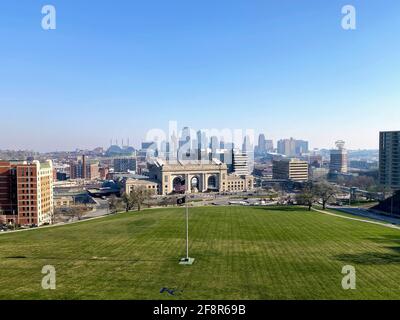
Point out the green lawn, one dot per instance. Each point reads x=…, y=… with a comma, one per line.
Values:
x=241, y=253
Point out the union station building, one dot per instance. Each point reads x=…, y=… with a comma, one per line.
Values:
x=189, y=177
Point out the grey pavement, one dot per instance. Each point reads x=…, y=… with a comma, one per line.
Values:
x=366, y=213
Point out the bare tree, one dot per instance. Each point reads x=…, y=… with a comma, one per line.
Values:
x=307, y=196
x=325, y=191
x=128, y=201
x=136, y=198
x=114, y=204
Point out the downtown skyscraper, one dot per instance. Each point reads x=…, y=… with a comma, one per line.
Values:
x=389, y=159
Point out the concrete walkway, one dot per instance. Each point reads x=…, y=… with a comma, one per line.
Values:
x=387, y=225
x=367, y=213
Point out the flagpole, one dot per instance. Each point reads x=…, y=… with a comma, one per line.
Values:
x=187, y=260
x=187, y=231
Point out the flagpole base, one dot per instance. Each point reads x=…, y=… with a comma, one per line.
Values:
x=186, y=261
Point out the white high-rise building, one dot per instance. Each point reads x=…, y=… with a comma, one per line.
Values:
x=339, y=159
x=240, y=163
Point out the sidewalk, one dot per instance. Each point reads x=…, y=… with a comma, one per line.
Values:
x=387, y=225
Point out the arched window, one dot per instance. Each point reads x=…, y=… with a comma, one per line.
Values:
x=212, y=183
x=194, y=184
x=178, y=185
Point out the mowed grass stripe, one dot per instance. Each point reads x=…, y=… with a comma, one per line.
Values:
x=241, y=253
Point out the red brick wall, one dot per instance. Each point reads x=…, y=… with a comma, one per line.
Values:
x=27, y=194
x=8, y=197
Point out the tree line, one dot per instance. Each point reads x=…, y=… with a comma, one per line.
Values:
x=312, y=192
x=135, y=199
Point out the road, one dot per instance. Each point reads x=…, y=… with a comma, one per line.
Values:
x=101, y=209
x=361, y=212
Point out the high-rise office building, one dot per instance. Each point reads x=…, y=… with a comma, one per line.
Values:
x=247, y=146
x=26, y=196
x=262, y=145
x=173, y=147
x=339, y=159
x=261, y=141
x=185, y=141
x=185, y=136
x=248, y=150
x=301, y=147
x=214, y=147
x=187, y=146
x=124, y=164
x=269, y=145
x=202, y=146
x=389, y=159
x=214, y=143
x=240, y=163
x=292, y=147
x=290, y=169
x=287, y=147
x=164, y=150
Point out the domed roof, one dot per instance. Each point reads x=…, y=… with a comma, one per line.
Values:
x=117, y=150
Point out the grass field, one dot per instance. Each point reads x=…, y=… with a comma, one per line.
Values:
x=241, y=253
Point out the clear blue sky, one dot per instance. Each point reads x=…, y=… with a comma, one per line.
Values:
x=119, y=68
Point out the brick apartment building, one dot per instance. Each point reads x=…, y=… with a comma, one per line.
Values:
x=8, y=188
x=26, y=192
x=84, y=169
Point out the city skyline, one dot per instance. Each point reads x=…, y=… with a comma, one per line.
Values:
x=124, y=143
x=136, y=143
x=199, y=155
x=268, y=66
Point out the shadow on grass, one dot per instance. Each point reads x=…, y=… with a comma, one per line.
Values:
x=94, y=259
x=388, y=239
x=283, y=209
x=376, y=258
x=370, y=258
